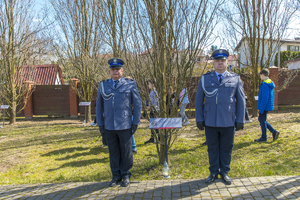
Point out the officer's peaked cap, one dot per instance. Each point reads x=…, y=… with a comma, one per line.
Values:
x=115, y=63
x=220, y=54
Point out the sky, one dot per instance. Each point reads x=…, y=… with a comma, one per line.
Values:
x=292, y=32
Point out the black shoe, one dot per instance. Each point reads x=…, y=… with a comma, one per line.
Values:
x=275, y=135
x=114, y=182
x=204, y=143
x=226, y=178
x=260, y=140
x=125, y=182
x=151, y=140
x=211, y=178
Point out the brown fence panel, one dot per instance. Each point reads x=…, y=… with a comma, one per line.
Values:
x=192, y=86
x=51, y=100
x=290, y=95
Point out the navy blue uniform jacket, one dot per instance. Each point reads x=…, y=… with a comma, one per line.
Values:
x=115, y=113
x=224, y=108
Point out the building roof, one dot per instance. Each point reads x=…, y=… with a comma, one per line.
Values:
x=233, y=57
x=282, y=41
x=293, y=60
x=41, y=74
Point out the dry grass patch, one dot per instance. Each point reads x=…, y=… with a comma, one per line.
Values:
x=48, y=150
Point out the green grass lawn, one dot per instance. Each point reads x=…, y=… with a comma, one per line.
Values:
x=47, y=150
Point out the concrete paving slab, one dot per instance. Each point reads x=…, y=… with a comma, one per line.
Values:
x=275, y=187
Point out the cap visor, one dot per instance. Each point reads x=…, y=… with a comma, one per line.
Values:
x=220, y=57
x=115, y=66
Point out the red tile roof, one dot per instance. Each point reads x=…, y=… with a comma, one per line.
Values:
x=233, y=57
x=40, y=74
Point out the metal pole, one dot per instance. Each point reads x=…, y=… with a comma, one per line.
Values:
x=3, y=118
x=166, y=144
x=85, y=107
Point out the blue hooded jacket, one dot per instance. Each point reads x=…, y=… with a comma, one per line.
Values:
x=266, y=96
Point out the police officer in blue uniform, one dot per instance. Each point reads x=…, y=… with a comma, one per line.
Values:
x=220, y=109
x=117, y=100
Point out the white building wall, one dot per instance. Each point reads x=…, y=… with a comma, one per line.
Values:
x=244, y=52
x=294, y=65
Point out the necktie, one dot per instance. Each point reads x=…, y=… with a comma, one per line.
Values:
x=220, y=78
x=116, y=83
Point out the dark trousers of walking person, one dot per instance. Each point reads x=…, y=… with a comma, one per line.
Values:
x=153, y=131
x=219, y=146
x=120, y=152
x=262, y=118
x=247, y=114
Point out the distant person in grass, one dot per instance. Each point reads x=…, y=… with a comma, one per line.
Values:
x=153, y=107
x=184, y=101
x=265, y=103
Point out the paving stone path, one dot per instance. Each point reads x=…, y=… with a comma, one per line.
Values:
x=273, y=187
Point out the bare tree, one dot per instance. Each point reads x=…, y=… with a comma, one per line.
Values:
x=78, y=44
x=20, y=41
x=259, y=25
x=165, y=39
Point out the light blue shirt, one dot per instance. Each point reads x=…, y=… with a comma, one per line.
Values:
x=117, y=81
x=154, y=99
x=185, y=99
x=223, y=74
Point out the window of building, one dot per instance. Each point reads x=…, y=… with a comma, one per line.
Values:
x=292, y=48
x=198, y=59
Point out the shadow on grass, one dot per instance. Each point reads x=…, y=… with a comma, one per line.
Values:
x=242, y=145
x=63, y=151
x=93, y=151
x=80, y=163
x=174, y=189
x=50, y=139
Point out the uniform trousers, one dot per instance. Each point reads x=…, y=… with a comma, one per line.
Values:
x=120, y=152
x=219, y=146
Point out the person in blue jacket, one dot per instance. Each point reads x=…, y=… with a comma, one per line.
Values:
x=118, y=99
x=265, y=103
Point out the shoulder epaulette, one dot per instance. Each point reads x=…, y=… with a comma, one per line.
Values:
x=207, y=73
x=129, y=79
x=234, y=73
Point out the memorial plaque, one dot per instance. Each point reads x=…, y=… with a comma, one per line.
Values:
x=4, y=106
x=84, y=103
x=165, y=123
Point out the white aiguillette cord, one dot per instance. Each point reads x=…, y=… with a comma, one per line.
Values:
x=105, y=96
x=208, y=94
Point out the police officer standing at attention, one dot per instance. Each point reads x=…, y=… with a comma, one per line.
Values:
x=220, y=109
x=117, y=100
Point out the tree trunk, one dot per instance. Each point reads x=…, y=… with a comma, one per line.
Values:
x=89, y=114
x=13, y=110
x=162, y=151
